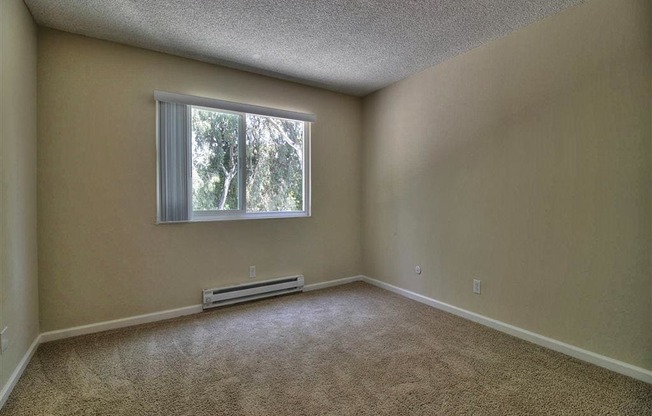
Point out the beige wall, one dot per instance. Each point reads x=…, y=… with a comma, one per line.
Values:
x=525, y=163
x=18, y=259
x=101, y=256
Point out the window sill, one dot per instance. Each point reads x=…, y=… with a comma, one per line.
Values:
x=239, y=217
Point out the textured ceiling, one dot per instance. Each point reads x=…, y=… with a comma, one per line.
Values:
x=351, y=46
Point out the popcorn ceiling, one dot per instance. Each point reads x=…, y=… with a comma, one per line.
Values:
x=350, y=46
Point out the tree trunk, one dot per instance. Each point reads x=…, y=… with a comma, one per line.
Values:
x=228, y=176
x=227, y=184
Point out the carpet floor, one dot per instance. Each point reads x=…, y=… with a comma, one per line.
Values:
x=349, y=350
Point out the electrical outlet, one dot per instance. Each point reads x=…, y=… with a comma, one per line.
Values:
x=477, y=286
x=4, y=340
x=252, y=272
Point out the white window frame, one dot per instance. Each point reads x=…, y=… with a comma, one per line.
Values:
x=242, y=110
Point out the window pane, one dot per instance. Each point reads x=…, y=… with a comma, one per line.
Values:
x=214, y=160
x=274, y=164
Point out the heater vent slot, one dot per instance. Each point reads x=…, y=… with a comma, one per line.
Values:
x=250, y=291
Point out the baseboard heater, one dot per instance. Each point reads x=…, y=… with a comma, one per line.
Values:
x=251, y=291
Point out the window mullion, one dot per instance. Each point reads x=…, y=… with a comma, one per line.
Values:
x=242, y=165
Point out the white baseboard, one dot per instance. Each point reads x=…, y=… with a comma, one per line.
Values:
x=119, y=323
x=581, y=354
x=18, y=372
x=123, y=323
x=331, y=283
x=576, y=352
x=160, y=316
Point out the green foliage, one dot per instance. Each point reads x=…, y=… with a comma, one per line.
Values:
x=215, y=160
x=274, y=162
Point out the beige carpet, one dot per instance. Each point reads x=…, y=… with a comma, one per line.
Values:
x=350, y=350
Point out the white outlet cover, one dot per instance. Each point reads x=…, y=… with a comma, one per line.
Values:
x=477, y=286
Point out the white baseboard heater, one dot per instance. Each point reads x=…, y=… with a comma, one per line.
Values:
x=251, y=291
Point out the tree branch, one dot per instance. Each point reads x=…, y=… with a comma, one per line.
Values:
x=287, y=139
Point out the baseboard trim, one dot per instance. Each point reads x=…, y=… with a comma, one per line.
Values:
x=553, y=344
x=160, y=316
x=571, y=350
x=18, y=372
x=331, y=283
x=123, y=323
x=119, y=323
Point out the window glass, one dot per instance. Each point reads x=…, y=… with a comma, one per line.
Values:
x=215, y=160
x=221, y=160
x=274, y=164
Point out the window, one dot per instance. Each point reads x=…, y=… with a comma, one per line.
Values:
x=219, y=160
